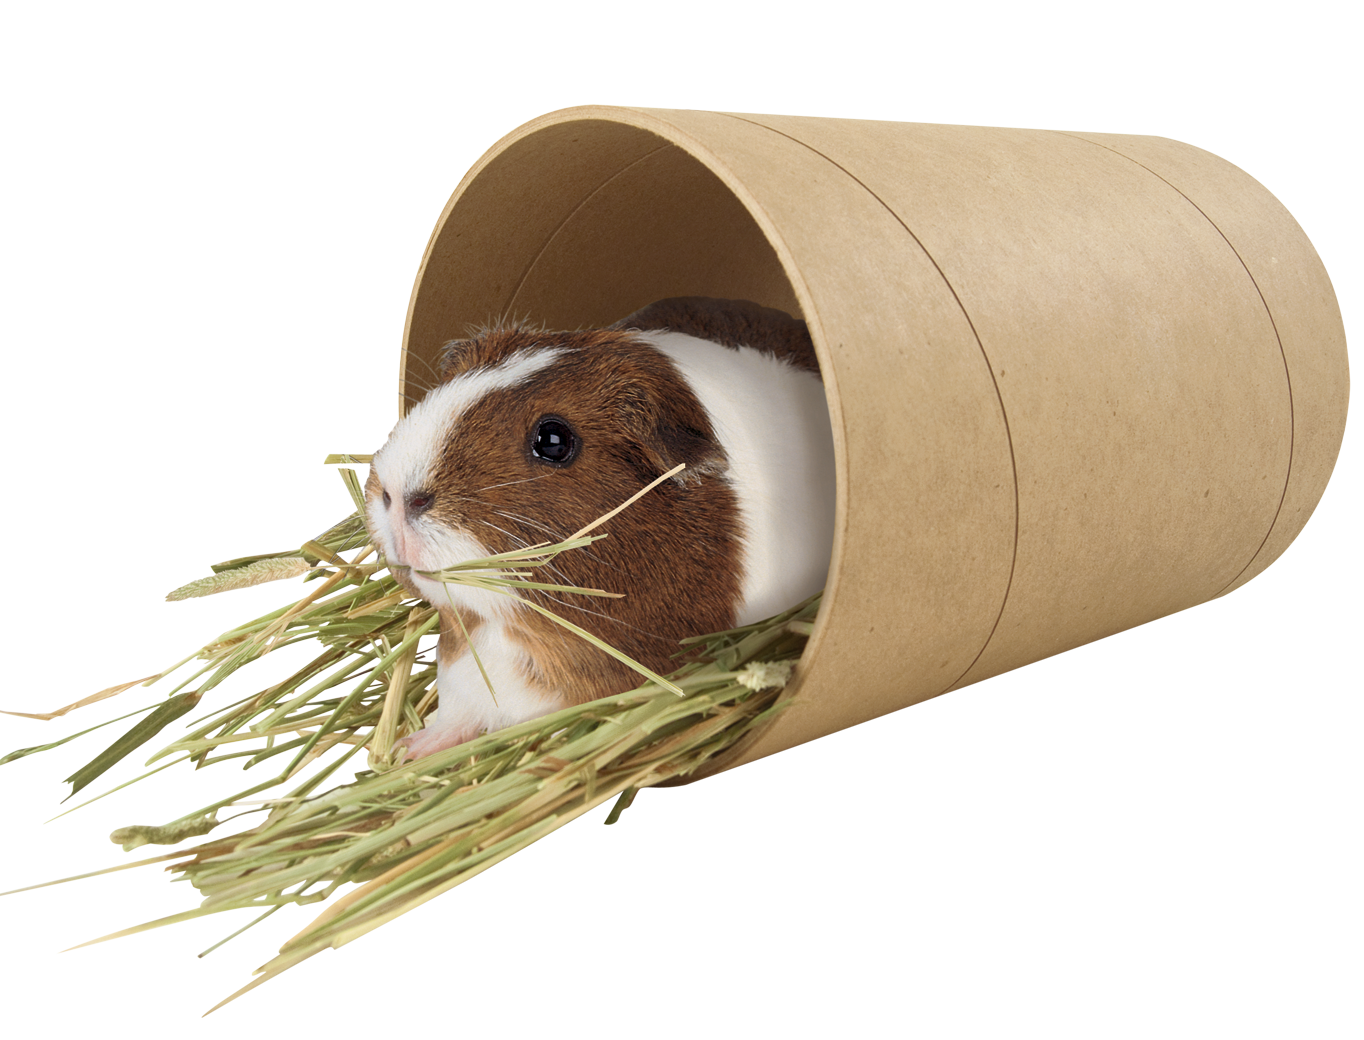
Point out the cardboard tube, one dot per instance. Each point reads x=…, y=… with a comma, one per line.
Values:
x=1077, y=381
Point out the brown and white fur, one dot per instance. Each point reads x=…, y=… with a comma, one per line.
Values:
x=745, y=531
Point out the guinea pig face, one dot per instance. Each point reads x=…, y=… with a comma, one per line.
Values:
x=531, y=437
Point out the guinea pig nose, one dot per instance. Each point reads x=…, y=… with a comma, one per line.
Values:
x=419, y=502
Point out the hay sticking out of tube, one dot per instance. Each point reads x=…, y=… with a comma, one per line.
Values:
x=404, y=832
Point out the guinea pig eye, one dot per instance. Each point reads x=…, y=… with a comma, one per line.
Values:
x=553, y=440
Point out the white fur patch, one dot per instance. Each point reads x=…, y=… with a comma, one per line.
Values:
x=773, y=422
x=467, y=704
x=405, y=464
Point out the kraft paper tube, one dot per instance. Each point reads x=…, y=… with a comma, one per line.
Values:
x=1077, y=381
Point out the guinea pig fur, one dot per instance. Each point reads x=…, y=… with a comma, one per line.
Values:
x=532, y=435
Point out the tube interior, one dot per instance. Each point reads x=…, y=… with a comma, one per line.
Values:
x=576, y=226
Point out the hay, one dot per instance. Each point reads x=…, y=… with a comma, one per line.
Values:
x=405, y=832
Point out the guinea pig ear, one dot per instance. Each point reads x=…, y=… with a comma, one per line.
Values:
x=669, y=431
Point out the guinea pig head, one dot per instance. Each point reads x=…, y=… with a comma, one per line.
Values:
x=533, y=435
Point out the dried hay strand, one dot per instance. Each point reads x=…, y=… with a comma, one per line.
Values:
x=400, y=832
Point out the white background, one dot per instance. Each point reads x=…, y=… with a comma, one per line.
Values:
x=211, y=223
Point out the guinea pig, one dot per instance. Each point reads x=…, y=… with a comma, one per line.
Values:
x=532, y=435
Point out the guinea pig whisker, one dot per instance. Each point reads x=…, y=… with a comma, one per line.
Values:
x=523, y=480
x=536, y=524
x=423, y=381
x=419, y=384
x=605, y=617
x=431, y=369
x=518, y=541
x=524, y=544
x=555, y=536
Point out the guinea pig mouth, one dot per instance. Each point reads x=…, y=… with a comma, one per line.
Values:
x=431, y=550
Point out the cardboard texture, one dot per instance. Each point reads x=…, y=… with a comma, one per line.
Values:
x=1077, y=381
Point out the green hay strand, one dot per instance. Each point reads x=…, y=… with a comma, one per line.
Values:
x=401, y=833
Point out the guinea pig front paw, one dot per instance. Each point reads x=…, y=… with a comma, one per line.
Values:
x=435, y=738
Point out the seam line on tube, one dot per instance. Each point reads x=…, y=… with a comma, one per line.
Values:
x=549, y=239
x=1004, y=414
x=1288, y=376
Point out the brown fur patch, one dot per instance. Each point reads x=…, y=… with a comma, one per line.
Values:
x=733, y=323
x=452, y=645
